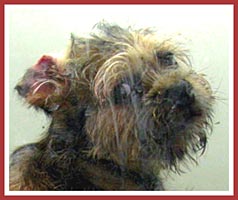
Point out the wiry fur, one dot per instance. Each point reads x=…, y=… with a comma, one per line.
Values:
x=124, y=106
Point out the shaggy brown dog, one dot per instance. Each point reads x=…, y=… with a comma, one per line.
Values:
x=123, y=106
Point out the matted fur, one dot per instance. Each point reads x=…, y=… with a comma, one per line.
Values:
x=124, y=106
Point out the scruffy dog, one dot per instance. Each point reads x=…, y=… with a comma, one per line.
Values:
x=124, y=106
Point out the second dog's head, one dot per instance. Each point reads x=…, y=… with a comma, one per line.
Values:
x=143, y=104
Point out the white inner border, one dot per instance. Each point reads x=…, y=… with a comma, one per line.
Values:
x=120, y=193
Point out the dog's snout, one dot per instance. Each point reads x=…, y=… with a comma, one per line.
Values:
x=180, y=94
x=22, y=91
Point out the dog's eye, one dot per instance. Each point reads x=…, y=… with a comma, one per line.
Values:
x=125, y=89
x=122, y=93
x=129, y=91
x=166, y=58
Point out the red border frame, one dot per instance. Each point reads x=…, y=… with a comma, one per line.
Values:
x=5, y=2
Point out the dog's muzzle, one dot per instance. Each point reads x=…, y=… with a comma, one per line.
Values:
x=180, y=95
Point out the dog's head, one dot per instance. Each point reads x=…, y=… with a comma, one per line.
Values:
x=143, y=103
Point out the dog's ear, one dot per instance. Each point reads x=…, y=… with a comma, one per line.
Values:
x=44, y=85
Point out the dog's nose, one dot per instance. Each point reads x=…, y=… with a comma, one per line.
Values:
x=22, y=90
x=180, y=94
